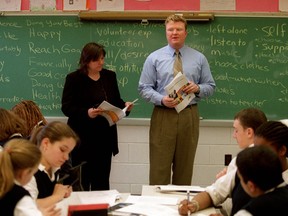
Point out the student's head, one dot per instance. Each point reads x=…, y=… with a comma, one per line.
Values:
x=91, y=52
x=30, y=113
x=19, y=161
x=259, y=169
x=176, y=31
x=246, y=121
x=56, y=140
x=10, y=125
x=275, y=135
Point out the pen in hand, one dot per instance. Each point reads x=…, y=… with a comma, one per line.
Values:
x=188, y=199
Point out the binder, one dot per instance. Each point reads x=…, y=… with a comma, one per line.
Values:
x=99, y=209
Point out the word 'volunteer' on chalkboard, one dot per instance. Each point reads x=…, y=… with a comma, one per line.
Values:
x=248, y=58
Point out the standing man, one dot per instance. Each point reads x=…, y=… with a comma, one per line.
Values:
x=174, y=136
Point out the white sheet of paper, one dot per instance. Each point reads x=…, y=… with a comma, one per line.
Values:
x=152, y=199
x=149, y=209
x=217, y=5
x=110, y=5
x=42, y=5
x=74, y=5
x=11, y=5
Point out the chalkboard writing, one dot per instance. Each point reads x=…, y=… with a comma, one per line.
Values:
x=248, y=59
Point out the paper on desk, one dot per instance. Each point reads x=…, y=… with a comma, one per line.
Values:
x=149, y=209
x=88, y=197
x=152, y=199
x=180, y=188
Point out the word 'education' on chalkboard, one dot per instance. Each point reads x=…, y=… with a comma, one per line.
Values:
x=248, y=58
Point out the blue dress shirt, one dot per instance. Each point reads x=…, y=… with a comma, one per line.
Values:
x=158, y=72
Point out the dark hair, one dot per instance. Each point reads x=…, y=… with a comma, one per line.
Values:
x=261, y=165
x=275, y=132
x=10, y=124
x=29, y=111
x=251, y=118
x=90, y=52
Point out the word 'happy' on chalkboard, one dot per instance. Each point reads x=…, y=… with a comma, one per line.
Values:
x=248, y=58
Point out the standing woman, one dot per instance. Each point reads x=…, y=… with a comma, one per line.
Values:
x=83, y=91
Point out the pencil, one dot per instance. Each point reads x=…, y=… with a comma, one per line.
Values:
x=188, y=199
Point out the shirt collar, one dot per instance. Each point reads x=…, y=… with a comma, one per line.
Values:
x=41, y=167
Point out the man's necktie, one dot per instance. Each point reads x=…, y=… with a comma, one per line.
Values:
x=177, y=64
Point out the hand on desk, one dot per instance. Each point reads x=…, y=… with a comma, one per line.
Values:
x=185, y=207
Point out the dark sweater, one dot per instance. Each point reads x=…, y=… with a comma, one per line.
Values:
x=44, y=184
x=272, y=203
x=10, y=200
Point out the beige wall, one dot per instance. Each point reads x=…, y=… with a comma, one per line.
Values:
x=130, y=168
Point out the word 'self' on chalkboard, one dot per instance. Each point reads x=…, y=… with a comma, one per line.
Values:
x=248, y=58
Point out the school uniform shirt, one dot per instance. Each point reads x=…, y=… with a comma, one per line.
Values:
x=18, y=202
x=273, y=202
x=41, y=185
x=223, y=187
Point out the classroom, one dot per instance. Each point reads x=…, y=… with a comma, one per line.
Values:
x=246, y=46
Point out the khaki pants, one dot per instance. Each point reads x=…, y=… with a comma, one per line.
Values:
x=173, y=144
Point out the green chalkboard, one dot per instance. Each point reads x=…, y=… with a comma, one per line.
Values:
x=248, y=59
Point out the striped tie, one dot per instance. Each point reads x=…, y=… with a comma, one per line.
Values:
x=177, y=64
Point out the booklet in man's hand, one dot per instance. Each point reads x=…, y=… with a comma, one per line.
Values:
x=174, y=90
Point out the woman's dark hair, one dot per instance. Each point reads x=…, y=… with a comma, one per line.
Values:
x=90, y=52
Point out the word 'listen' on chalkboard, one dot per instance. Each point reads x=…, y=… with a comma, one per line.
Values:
x=248, y=58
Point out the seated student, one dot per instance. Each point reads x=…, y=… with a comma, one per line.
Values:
x=56, y=140
x=29, y=111
x=260, y=173
x=11, y=126
x=19, y=161
x=273, y=134
x=246, y=121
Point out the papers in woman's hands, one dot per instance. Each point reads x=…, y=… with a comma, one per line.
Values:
x=112, y=113
x=174, y=90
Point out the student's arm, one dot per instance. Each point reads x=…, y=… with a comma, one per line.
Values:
x=59, y=193
x=201, y=201
x=27, y=207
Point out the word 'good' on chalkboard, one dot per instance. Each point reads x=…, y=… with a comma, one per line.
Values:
x=248, y=59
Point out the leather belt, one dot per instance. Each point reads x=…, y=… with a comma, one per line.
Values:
x=188, y=106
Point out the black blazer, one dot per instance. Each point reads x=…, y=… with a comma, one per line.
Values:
x=81, y=93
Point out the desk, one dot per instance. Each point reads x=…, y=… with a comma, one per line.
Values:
x=148, y=190
x=113, y=197
x=91, y=197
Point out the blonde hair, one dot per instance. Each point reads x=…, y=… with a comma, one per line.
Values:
x=55, y=131
x=176, y=18
x=18, y=154
x=30, y=113
x=10, y=124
